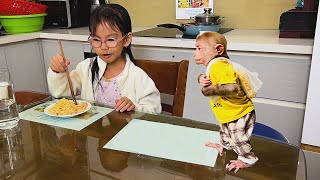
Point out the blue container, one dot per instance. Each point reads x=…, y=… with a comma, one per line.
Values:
x=300, y=3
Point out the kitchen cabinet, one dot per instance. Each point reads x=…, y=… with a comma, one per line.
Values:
x=284, y=76
x=285, y=117
x=73, y=51
x=280, y=103
x=3, y=62
x=24, y=60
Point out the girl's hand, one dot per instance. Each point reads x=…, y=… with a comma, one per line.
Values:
x=124, y=104
x=58, y=65
x=204, y=80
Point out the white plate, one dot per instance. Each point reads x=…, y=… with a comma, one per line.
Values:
x=46, y=110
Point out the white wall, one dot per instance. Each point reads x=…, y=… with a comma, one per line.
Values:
x=311, y=125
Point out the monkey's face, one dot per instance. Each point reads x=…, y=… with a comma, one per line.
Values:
x=204, y=52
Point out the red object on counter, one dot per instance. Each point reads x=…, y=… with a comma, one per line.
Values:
x=21, y=7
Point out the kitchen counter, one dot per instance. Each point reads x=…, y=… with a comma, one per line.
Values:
x=238, y=40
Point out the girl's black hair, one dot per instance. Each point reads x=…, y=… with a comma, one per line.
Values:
x=117, y=17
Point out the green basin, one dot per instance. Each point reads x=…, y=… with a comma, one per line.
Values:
x=22, y=23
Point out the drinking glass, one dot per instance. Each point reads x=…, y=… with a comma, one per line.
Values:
x=9, y=115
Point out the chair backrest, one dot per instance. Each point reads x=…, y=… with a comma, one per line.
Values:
x=28, y=97
x=170, y=78
x=268, y=132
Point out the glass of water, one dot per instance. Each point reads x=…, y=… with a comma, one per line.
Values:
x=9, y=115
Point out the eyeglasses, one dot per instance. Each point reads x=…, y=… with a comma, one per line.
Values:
x=110, y=42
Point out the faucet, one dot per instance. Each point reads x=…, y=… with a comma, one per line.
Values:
x=94, y=4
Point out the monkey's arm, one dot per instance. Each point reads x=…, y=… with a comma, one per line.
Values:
x=220, y=90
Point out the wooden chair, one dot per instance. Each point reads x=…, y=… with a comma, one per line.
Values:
x=27, y=97
x=170, y=79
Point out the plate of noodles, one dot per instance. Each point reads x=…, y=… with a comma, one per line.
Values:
x=65, y=108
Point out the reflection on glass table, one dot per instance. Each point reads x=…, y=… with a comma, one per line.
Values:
x=56, y=153
x=12, y=154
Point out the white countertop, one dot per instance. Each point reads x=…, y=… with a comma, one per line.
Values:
x=238, y=40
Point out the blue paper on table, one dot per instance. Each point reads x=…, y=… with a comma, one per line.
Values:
x=166, y=141
x=36, y=114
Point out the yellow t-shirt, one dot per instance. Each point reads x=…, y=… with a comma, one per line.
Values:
x=231, y=107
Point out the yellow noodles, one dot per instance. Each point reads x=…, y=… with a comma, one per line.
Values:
x=67, y=107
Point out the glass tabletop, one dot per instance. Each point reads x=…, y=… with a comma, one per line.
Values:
x=38, y=151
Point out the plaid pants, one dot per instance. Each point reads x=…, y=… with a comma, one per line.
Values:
x=236, y=135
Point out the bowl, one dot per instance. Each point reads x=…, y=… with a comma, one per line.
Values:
x=22, y=23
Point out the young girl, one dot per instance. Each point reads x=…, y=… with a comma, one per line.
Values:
x=112, y=77
x=232, y=108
